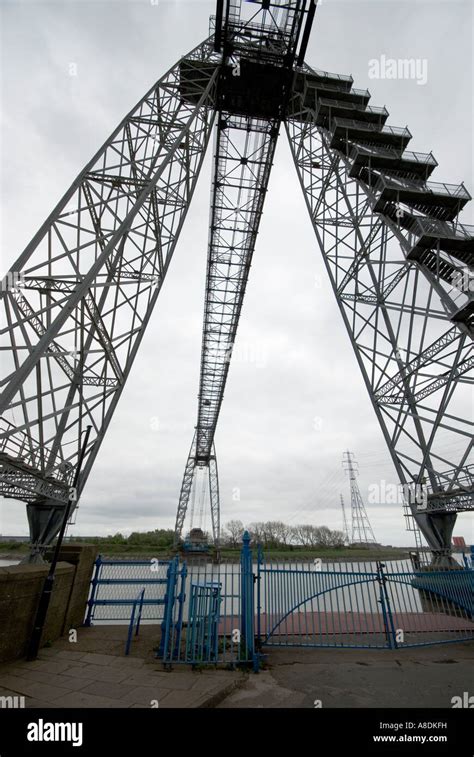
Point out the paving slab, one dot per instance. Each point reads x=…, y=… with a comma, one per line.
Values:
x=79, y=699
x=31, y=688
x=66, y=654
x=32, y=703
x=212, y=681
x=144, y=695
x=97, y=673
x=104, y=689
x=94, y=672
x=51, y=665
x=129, y=663
x=184, y=699
x=68, y=683
x=97, y=659
x=151, y=678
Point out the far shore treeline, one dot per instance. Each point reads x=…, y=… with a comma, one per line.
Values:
x=276, y=537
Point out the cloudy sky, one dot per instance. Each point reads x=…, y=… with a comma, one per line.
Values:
x=295, y=399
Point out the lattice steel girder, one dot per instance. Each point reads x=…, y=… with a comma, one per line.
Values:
x=399, y=317
x=185, y=492
x=83, y=290
x=258, y=55
x=244, y=150
x=270, y=29
x=214, y=498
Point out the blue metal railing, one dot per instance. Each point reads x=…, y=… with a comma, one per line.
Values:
x=230, y=612
x=110, y=595
x=380, y=604
x=137, y=605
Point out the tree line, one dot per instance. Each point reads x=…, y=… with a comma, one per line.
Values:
x=160, y=537
x=275, y=534
x=272, y=534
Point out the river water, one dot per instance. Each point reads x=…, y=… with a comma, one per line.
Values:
x=342, y=587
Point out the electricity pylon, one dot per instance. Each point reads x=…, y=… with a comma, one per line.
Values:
x=76, y=303
x=345, y=525
x=362, y=532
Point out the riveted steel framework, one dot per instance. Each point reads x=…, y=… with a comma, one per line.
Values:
x=244, y=155
x=394, y=252
x=79, y=298
x=77, y=301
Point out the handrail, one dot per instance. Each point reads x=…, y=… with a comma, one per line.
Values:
x=320, y=85
x=426, y=158
x=351, y=106
x=433, y=187
x=435, y=227
x=137, y=603
x=329, y=75
x=354, y=124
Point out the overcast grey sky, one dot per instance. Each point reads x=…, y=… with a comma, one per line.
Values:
x=295, y=399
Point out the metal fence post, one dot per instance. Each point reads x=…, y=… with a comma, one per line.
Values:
x=386, y=609
x=181, y=600
x=94, y=585
x=259, y=596
x=166, y=626
x=247, y=619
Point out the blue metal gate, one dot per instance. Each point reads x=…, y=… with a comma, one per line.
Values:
x=369, y=605
x=211, y=616
x=203, y=621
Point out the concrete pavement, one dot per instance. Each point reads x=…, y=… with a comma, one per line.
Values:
x=416, y=677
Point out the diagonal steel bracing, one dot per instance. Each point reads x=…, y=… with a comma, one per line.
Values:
x=402, y=315
x=86, y=286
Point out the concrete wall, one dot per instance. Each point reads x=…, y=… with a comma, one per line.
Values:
x=82, y=556
x=20, y=588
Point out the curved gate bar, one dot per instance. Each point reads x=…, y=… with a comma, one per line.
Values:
x=367, y=577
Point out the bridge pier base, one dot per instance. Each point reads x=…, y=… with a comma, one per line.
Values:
x=437, y=528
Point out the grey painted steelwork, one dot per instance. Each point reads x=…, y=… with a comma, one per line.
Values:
x=394, y=261
x=254, y=85
x=76, y=310
x=78, y=299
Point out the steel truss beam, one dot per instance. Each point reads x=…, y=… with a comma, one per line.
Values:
x=259, y=46
x=244, y=151
x=78, y=300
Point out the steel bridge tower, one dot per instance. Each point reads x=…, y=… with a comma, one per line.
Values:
x=76, y=303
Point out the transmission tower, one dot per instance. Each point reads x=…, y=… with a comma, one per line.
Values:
x=362, y=532
x=345, y=525
x=76, y=303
